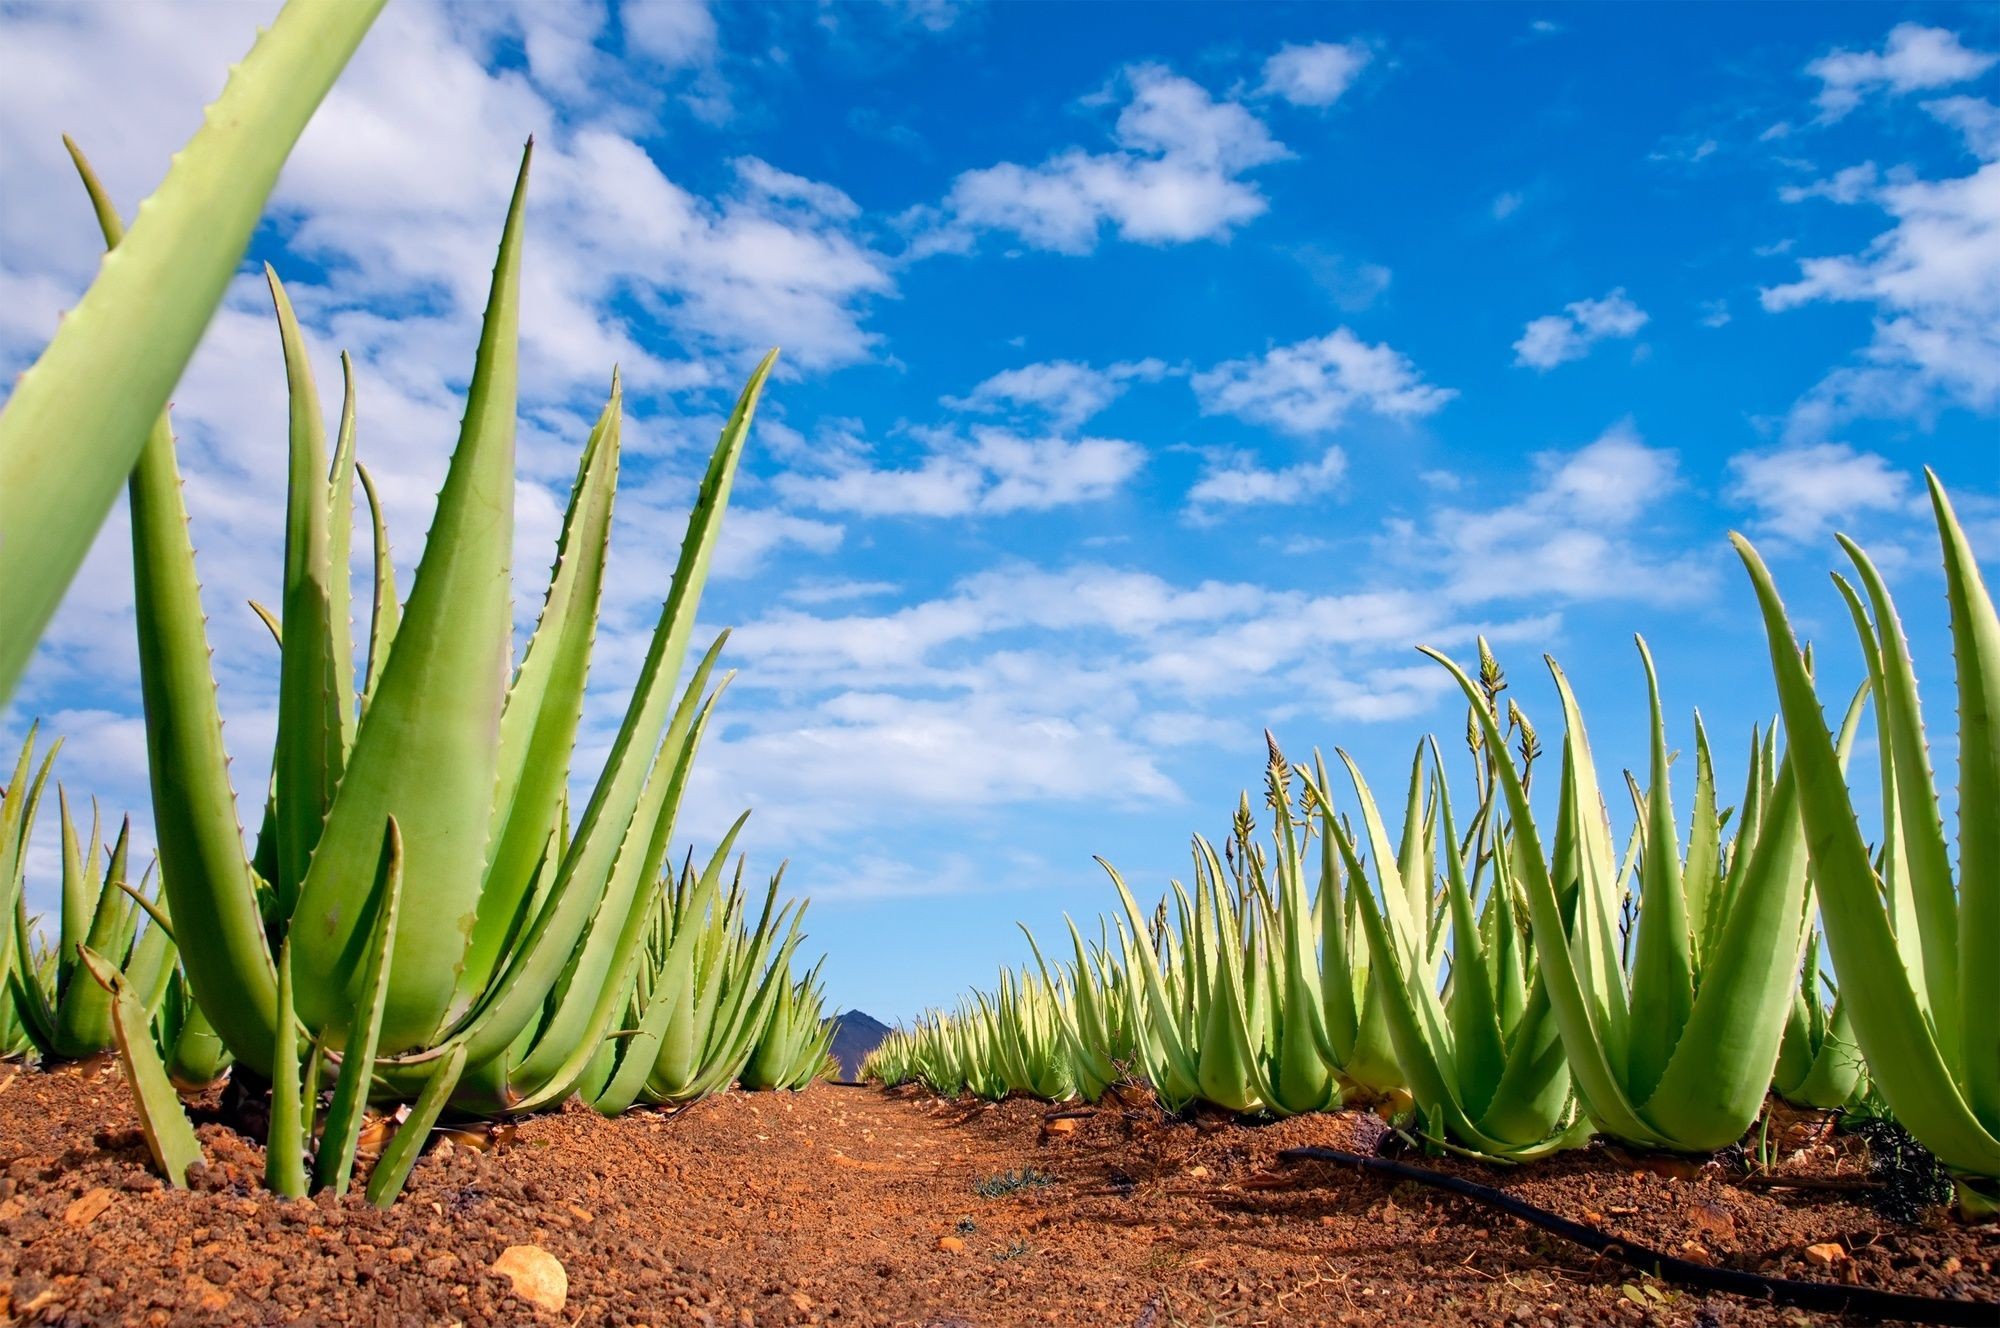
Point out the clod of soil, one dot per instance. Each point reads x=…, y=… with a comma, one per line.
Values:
x=855, y=1206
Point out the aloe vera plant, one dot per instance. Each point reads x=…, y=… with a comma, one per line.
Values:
x=791, y=1052
x=66, y=441
x=706, y=983
x=1677, y=1051
x=1913, y=943
x=1483, y=1055
x=519, y=928
x=49, y=1005
x=1092, y=1013
x=1819, y=1064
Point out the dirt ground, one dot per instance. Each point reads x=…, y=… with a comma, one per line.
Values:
x=855, y=1206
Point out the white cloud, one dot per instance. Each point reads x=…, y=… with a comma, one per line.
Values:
x=1976, y=120
x=993, y=472
x=1174, y=177
x=1068, y=393
x=1914, y=59
x=1797, y=493
x=1849, y=185
x=1507, y=204
x=1310, y=387
x=673, y=32
x=1236, y=480
x=834, y=592
x=1933, y=280
x=1559, y=338
x=1581, y=533
x=751, y=535
x=1315, y=74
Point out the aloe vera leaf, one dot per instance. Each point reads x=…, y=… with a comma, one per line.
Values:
x=198, y=1058
x=386, y=612
x=1714, y=1086
x=77, y=899
x=544, y=704
x=65, y=441
x=425, y=750
x=31, y=985
x=285, y=1148
x=1336, y=978
x=392, y=1170
x=1474, y=1015
x=306, y=765
x=1900, y=721
x=538, y=962
x=1975, y=639
x=340, y=579
x=17, y=819
x=204, y=876
x=1701, y=876
x=1595, y=929
x=169, y=1134
x=334, y=1164
x=1663, y=966
x=1903, y=1056
x=151, y=965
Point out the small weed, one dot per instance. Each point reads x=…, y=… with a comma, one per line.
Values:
x=1647, y=1294
x=966, y=1226
x=1911, y=1178
x=1011, y=1182
x=1018, y=1250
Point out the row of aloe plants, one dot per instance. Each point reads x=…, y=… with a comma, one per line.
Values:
x=420, y=918
x=1528, y=980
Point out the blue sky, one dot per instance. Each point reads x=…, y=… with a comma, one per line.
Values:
x=1153, y=374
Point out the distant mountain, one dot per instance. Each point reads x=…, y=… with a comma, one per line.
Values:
x=855, y=1035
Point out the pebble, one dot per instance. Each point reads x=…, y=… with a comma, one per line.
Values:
x=951, y=1245
x=537, y=1275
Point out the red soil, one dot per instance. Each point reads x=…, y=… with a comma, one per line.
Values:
x=855, y=1206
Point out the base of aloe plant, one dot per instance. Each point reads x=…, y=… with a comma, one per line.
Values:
x=1978, y=1197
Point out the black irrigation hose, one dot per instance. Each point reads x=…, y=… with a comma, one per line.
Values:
x=1827, y=1297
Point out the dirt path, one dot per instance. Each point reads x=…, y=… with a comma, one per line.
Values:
x=850, y=1206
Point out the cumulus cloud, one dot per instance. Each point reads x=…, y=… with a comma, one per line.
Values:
x=1234, y=479
x=1173, y=176
x=1310, y=387
x=1315, y=74
x=1976, y=120
x=673, y=32
x=1849, y=185
x=1585, y=515
x=1913, y=59
x=1933, y=281
x=1555, y=339
x=1066, y=392
x=993, y=471
x=1799, y=493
